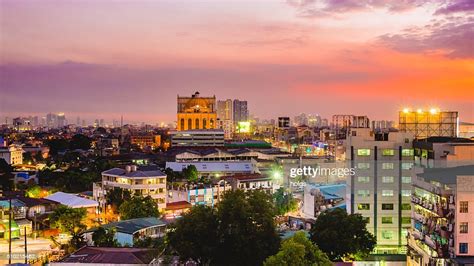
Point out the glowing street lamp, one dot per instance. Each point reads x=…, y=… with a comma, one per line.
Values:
x=419, y=111
x=406, y=110
x=433, y=111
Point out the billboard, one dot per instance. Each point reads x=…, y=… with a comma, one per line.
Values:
x=243, y=127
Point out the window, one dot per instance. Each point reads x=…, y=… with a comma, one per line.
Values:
x=363, y=152
x=387, y=220
x=386, y=234
x=387, y=166
x=387, y=179
x=407, y=152
x=407, y=166
x=388, y=152
x=363, y=193
x=406, y=220
x=463, y=207
x=363, y=165
x=387, y=193
x=406, y=206
x=363, y=206
x=406, y=179
x=463, y=228
x=387, y=206
x=363, y=179
x=463, y=248
x=406, y=192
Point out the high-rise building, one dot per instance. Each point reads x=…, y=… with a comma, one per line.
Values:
x=380, y=189
x=61, y=118
x=283, y=122
x=431, y=123
x=51, y=120
x=241, y=113
x=225, y=116
x=196, y=112
x=442, y=217
x=301, y=119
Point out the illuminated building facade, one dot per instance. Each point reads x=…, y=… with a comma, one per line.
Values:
x=429, y=123
x=196, y=112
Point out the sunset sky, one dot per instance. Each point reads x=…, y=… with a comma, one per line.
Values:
x=102, y=59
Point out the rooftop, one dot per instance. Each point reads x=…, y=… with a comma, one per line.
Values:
x=72, y=200
x=446, y=140
x=105, y=255
x=217, y=166
x=447, y=175
x=133, y=225
x=140, y=172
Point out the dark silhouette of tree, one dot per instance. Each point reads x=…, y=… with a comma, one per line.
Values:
x=138, y=207
x=80, y=141
x=342, y=235
x=194, y=236
x=190, y=173
x=284, y=201
x=104, y=237
x=298, y=250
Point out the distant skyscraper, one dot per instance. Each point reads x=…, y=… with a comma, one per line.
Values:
x=241, y=112
x=51, y=120
x=225, y=116
x=78, y=121
x=283, y=122
x=61, y=118
x=301, y=119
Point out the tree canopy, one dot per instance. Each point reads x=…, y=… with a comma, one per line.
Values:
x=70, y=221
x=105, y=237
x=138, y=207
x=284, y=201
x=194, y=236
x=349, y=230
x=116, y=196
x=190, y=173
x=298, y=250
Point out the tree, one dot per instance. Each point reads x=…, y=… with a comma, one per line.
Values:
x=247, y=232
x=194, y=236
x=348, y=229
x=190, y=173
x=69, y=220
x=284, y=201
x=80, y=141
x=57, y=145
x=138, y=207
x=298, y=250
x=6, y=176
x=105, y=237
x=117, y=196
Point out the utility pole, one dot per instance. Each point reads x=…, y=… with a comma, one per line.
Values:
x=26, y=249
x=10, y=232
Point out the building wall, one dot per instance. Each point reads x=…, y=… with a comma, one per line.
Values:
x=465, y=192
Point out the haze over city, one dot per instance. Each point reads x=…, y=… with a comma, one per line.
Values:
x=85, y=58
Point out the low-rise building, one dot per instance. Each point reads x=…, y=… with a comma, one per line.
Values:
x=110, y=256
x=143, y=180
x=217, y=169
x=193, y=138
x=127, y=232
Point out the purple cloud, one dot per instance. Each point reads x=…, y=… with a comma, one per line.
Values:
x=453, y=36
x=314, y=8
x=456, y=6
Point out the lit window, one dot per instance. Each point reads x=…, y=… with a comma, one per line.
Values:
x=388, y=152
x=406, y=220
x=463, y=207
x=363, y=193
x=387, y=193
x=386, y=234
x=363, y=152
x=463, y=228
x=387, y=179
x=406, y=192
x=387, y=220
x=407, y=152
x=407, y=166
x=387, y=166
x=406, y=206
x=406, y=179
x=363, y=206
x=363, y=179
x=363, y=165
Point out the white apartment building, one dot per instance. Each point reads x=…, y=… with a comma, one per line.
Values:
x=138, y=180
x=12, y=154
x=380, y=189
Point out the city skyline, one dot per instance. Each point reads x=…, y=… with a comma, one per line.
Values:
x=327, y=57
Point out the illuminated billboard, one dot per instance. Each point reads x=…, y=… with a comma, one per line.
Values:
x=243, y=127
